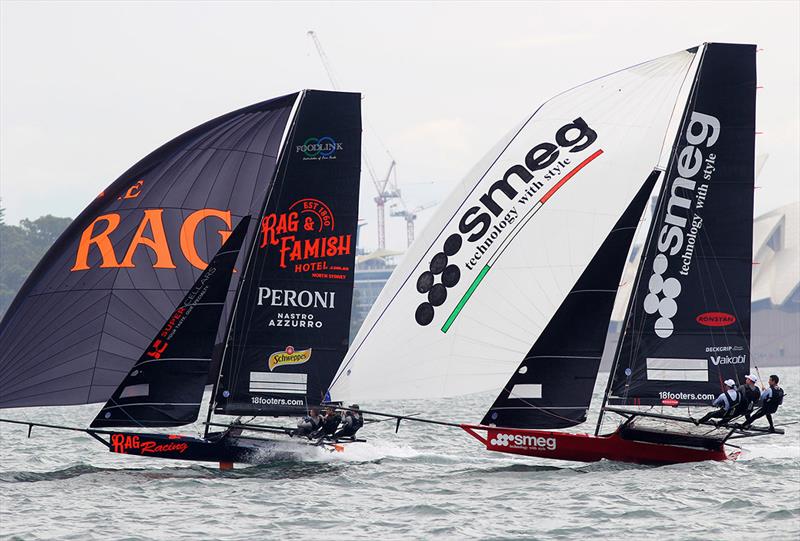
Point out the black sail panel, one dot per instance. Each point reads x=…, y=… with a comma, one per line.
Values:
x=90, y=307
x=552, y=387
x=291, y=322
x=165, y=386
x=687, y=328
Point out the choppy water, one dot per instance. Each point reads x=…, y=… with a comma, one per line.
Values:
x=425, y=482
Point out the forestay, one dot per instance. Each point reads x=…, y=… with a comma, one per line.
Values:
x=98, y=296
x=479, y=286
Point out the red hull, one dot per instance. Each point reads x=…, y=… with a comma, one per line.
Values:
x=587, y=448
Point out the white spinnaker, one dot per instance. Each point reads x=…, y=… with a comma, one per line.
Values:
x=475, y=349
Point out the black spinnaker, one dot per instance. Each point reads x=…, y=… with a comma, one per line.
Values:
x=98, y=296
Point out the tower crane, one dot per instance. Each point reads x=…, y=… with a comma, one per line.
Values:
x=410, y=217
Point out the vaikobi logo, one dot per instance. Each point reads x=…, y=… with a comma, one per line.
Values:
x=717, y=360
x=498, y=207
x=319, y=148
x=539, y=443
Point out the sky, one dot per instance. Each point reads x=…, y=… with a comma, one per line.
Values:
x=88, y=88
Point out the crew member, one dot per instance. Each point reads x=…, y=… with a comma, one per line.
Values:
x=748, y=396
x=726, y=402
x=329, y=423
x=771, y=398
x=351, y=423
x=308, y=424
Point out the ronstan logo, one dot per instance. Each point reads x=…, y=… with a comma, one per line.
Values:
x=715, y=319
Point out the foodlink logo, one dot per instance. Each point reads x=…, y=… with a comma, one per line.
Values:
x=680, y=215
x=539, y=443
x=490, y=217
x=319, y=148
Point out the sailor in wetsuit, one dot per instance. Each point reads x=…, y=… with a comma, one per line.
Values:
x=748, y=396
x=330, y=422
x=308, y=424
x=351, y=423
x=727, y=402
x=771, y=398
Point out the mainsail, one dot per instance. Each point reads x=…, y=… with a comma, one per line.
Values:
x=687, y=327
x=165, y=386
x=291, y=320
x=97, y=297
x=481, y=284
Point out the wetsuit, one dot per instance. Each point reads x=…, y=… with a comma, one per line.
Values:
x=352, y=422
x=727, y=403
x=771, y=398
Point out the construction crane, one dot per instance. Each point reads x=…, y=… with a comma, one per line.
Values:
x=410, y=217
x=385, y=187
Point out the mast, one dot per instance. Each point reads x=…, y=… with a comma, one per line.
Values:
x=253, y=242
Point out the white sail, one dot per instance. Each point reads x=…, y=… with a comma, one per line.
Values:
x=477, y=288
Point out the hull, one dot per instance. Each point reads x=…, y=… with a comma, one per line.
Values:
x=219, y=447
x=588, y=448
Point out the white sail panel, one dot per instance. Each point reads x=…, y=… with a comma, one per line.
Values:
x=481, y=283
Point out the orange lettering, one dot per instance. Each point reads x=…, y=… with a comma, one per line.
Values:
x=101, y=240
x=189, y=228
x=158, y=243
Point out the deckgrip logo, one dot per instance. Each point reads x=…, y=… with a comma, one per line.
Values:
x=539, y=443
x=319, y=148
x=701, y=128
x=717, y=360
x=477, y=221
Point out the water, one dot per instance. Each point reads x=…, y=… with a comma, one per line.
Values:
x=425, y=482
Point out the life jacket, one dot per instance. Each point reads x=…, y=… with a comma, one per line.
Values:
x=330, y=424
x=747, y=397
x=733, y=402
x=771, y=404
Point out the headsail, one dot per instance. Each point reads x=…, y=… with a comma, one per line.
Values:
x=165, y=386
x=480, y=285
x=552, y=387
x=97, y=297
x=687, y=327
x=292, y=317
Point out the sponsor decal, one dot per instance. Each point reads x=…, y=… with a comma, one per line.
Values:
x=281, y=402
x=524, y=441
x=319, y=148
x=717, y=360
x=682, y=221
x=306, y=240
x=123, y=443
x=668, y=397
x=102, y=236
x=496, y=214
x=292, y=298
x=288, y=356
x=670, y=402
x=723, y=349
x=715, y=319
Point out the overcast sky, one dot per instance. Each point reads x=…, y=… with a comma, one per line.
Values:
x=89, y=88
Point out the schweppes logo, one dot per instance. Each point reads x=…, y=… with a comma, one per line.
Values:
x=289, y=356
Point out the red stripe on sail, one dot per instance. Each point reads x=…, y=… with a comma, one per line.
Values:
x=568, y=176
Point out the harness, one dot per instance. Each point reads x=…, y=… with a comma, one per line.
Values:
x=771, y=404
x=732, y=402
